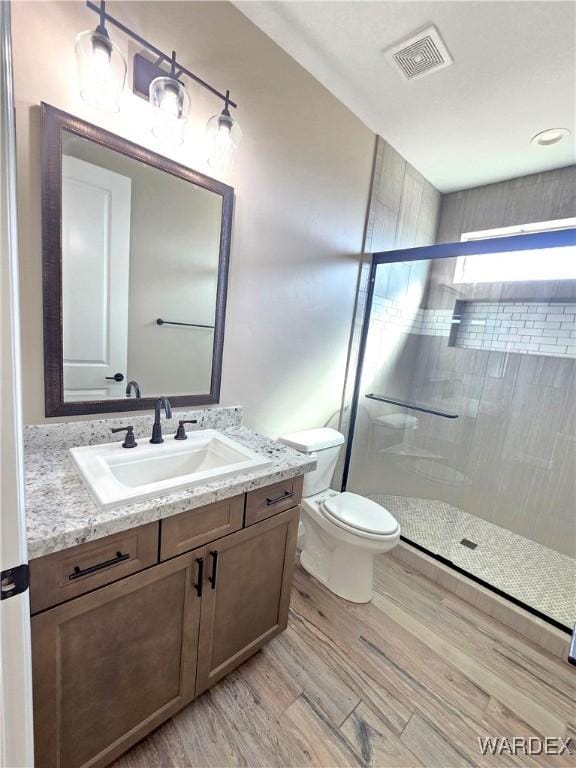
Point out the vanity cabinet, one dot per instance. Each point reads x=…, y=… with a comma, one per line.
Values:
x=268, y=501
x=111, y=665
x=247, y=601
x=182, y=533
x=61, y=576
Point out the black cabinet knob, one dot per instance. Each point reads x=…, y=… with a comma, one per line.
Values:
x=116, y=377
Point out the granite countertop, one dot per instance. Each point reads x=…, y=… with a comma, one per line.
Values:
x=61, y=513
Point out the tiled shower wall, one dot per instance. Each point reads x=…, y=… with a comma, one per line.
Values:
x=539, y=197
x=403, y=212
x=514, y=442
x=509, y=458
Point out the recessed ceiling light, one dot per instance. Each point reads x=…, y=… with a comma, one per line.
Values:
x=550, y=136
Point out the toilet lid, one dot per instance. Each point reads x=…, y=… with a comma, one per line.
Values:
x=361, y=513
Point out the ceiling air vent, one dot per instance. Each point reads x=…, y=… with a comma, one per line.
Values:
x=419, y=55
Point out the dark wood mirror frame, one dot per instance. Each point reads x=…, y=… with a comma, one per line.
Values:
x=54, y=122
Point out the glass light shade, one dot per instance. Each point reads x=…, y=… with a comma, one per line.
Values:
x=172, y=105
x=101, y=70
x=224, y=137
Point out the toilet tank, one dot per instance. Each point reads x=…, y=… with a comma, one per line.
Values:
x=324, y=445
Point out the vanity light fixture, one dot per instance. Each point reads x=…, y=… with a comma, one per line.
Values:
x=161, y=85
x=224, y=137
x=172, y=104
x=101, y=66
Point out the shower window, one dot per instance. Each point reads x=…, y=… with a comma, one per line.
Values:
x=463, y=418
x=518, y=266
x=548, y=264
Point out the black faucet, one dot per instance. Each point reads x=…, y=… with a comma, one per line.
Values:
x=136, y=387
x=162, y=402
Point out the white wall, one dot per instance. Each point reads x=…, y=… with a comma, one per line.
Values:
x=302, y=181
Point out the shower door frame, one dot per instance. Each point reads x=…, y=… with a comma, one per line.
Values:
x=534, y=241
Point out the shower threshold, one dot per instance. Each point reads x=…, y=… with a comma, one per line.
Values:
x=538, y=577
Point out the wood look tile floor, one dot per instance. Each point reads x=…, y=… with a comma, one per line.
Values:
x=411, y=679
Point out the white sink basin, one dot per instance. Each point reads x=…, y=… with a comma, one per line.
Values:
x=116, y=475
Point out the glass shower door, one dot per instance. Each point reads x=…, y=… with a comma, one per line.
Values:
x=464, y=417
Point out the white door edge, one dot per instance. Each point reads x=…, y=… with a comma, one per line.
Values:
x=16, y=726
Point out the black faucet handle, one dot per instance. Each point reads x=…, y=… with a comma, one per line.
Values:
x=129, y=441
x=181, y=432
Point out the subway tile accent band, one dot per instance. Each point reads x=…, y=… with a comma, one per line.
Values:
x=534, y=327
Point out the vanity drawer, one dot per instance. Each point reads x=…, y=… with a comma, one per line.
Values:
x=63, y=575
x=191, y=529
x=272, y=499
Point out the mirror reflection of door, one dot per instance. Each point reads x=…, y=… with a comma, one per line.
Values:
x=95, y=279
x=138, y=265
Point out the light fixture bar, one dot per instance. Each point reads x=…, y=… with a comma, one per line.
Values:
x=162, y=57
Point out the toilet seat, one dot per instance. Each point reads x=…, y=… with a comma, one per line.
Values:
x=359, y=515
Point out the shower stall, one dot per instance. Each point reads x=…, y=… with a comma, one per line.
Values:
x=462, y=422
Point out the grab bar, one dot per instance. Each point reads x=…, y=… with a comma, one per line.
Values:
x=190, y=325
x=412, y=407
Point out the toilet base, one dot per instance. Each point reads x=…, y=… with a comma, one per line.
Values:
x=347, y=576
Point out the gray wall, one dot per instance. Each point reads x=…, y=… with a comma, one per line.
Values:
x=539, y=197
x=404, y=206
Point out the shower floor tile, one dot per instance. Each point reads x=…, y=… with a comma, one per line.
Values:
x=538, y=576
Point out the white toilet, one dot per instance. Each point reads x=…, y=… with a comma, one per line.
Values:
x=342, y=531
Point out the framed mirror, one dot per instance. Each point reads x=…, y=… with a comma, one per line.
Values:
x=135, y=268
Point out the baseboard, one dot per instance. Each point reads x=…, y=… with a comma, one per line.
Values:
x=531, y=627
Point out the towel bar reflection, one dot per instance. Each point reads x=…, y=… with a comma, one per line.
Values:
x=189, y=325
x=412, y=406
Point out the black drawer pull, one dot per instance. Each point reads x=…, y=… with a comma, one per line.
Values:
x=212, y=579
x=79, y=572
x=198, y=585
x=283, y=497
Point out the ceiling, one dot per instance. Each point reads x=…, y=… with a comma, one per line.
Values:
x=514, y=74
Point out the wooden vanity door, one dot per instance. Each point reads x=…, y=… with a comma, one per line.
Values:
x=111, y=665
x=248, y=603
